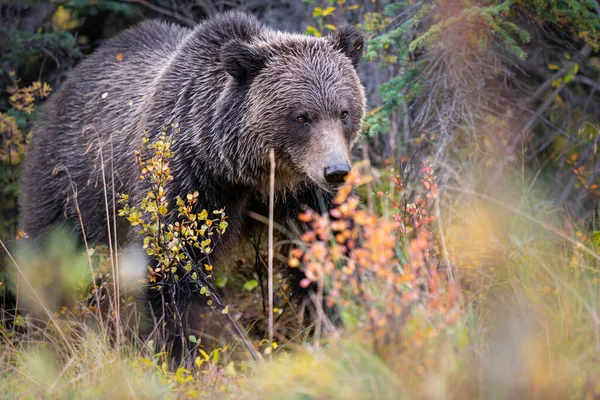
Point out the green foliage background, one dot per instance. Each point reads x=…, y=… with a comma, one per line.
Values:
x=524, y=40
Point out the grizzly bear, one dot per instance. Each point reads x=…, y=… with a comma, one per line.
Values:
x=236, y=89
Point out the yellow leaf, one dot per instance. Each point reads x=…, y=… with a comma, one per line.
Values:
x=64, y=19
x=311, y=30
x=146, y=362
x=204, y=354
x=553, y=67
x=328, y=11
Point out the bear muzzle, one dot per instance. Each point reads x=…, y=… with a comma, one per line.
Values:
x=335, y=173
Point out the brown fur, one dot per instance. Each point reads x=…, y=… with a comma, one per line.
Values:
x=236, y=89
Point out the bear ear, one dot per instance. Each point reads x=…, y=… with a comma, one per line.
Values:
x=349, y=40
x=242, y=61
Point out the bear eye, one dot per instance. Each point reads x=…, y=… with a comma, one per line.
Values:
x=344, y=115
x=302, y=120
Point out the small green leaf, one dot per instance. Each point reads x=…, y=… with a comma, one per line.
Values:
x=221, y=281
x=251, y=284
x=19, y=321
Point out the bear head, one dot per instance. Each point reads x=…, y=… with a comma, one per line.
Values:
x=303, y=98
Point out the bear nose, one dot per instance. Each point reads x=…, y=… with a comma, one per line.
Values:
x=336, y=173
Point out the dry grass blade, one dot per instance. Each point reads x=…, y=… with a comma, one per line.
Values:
x=443, y=240
x=270, y=254
x=112, y=250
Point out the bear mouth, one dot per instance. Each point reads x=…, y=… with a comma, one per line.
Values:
x=329, y=187
x=334, y=187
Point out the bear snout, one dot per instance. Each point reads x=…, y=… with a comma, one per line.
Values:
x=336, y=172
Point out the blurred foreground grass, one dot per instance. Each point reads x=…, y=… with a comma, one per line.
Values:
x=520, y=320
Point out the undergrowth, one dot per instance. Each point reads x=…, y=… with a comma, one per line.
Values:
x=498, y=299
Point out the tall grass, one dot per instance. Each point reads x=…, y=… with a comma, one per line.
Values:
x=443, y=292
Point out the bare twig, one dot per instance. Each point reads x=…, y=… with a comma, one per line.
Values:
x=270, y=254
x=236, y=327
x=112, y=251
x=255, y=355
x=582, y=55
x=280, y=228
x=85, y=242
x=117, y=277
x=367, y=161
x=443, y=238
x=317, y=300
x=537, y=114
x=584, y=80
